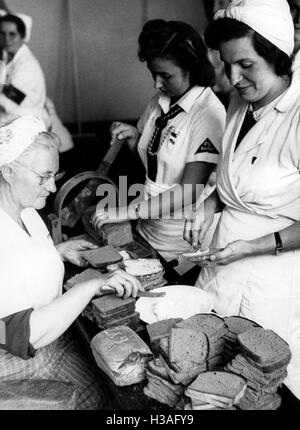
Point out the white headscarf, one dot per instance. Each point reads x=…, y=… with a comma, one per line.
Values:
x=270, y=18
x=17, y=136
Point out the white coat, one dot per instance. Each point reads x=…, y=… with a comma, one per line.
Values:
x=25, y=74
x=260, y=185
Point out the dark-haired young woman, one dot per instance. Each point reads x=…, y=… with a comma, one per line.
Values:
x=256, y=274
x=178, y=136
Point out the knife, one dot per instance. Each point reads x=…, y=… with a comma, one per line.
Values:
x=109, y=290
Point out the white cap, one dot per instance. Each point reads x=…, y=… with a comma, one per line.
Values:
x=17, y=135
x=270, y=18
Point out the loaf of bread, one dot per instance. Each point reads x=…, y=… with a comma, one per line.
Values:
x=121, y=354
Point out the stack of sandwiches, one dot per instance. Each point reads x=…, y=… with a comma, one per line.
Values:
x=149, y=271
x=111, y=311
x=262, y=362
x=215, y=390
x=235, y=325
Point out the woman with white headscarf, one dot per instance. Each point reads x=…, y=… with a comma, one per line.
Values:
x=256, y=271
x=33, y=309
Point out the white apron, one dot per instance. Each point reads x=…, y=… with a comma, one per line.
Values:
x=260, y=185
x=32, y=271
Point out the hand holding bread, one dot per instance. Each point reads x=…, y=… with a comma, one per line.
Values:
x=125, y=284
x=232, y=252
x=70, y=251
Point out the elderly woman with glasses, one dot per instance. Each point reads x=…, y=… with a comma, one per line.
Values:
x=35, y=312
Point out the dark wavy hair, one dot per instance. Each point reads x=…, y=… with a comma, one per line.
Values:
x=179, y=42
x=15, y=20
x=225, y=29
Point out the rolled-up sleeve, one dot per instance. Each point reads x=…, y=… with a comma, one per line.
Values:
x=15, y=334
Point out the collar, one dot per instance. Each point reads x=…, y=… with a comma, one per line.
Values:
x=19, y=52
x=186, y=102
x=291, y=94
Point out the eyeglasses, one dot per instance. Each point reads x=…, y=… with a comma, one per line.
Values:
x=44, y=179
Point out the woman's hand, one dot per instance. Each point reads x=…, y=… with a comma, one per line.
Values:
x=122, y=282
x=71, y=251
x=106, y=216
x=232, y=252
x=197, y=224
x=121, y=131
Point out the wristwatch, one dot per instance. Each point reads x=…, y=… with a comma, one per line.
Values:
x=279, y=249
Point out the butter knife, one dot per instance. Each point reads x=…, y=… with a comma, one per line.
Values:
x=108, y=290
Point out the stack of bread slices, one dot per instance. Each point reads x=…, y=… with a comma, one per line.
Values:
x=184, y=349
x=160, y=386
x=262, y=362
x=149, y=271
x=215, y=390
x=112, y=311
x=235, y=325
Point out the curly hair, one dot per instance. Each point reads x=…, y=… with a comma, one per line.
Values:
x=179, y=42
x=225, y=29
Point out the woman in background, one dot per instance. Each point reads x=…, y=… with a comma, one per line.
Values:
x=23, y=81
x=177, y=137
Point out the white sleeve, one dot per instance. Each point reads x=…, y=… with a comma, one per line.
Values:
x=207, y=134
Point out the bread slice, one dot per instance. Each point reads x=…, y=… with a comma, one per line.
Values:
x=220, y=383
x=237, y=324
x=161, y=328
x=198, y=398
x=263, y=345
x=182, y=377
x=102, y=257
x=143, y=267
x=156, y=368
x=86, y=275
x=210, y=324
x=187, y=348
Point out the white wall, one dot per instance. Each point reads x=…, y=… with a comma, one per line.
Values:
x=112, y=82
